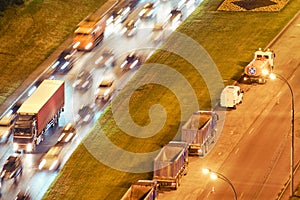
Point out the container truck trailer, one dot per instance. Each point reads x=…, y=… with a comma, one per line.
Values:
x=171, y=164
x=199, y=131
x=40, y=110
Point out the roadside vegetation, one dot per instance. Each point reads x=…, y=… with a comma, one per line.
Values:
x=229, y=37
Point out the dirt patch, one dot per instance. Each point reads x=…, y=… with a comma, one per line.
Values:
x=253, y=5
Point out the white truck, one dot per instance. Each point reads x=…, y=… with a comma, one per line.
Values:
x=231, y=96
x=142, y=190
x=259, y=69
x=200, y=131
x=171, y=164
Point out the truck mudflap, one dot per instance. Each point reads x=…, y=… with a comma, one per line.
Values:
x=253, y=79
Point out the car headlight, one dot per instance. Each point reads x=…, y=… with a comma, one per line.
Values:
x=69, y=137
x=88, y=46
x=42, y=164
x=3, y=173
x=53, y=165
x=76, y=45
x=61, y=137
x=99, y=60
x=124, y=63
x=29, y=147
x=15, y=146
x=55, y=64
x=65, y=65
x=265, y=72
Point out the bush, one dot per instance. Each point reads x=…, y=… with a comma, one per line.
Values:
x=5, y=3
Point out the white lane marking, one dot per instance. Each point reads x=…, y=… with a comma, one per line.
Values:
x=251, y=131
x=237, y=150
x=278, y=94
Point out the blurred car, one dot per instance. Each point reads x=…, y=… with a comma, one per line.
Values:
x=12, y=168
x=106, y=59
x=175, y=15
x=147, y=11
x=133, y=3
x=23, y=195
x=83, y=81
x=130, y=28
x=131, y=61
x=65, y=60
x=6, y=125
x=85, y=114
x=119, y=15
x=105, y=89
x=157, y=34
x=51, y=160
x=67, y=133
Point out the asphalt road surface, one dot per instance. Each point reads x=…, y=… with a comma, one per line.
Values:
x=36, y=181
x=253, y=151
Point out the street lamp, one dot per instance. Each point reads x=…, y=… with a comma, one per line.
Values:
x=273, y=76
x=214, y=175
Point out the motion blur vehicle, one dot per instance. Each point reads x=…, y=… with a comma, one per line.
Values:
x=51, y=160
x=12, y=168
x=119, y=14
x=186, y=4
x=157, y=34
x=105, y=89
x=131, y=61
x=85, y=114
x=107, y=59
x=65, y=60
x=23, y=195
x=175, y=15
x=67, y=133
x=130, y=28
x=83, y=81
x=6, y=126
x=147, y=11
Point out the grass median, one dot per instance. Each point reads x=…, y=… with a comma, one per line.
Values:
x=229, y=37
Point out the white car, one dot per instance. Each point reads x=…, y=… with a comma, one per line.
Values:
x=6, y=125
x=51, y=160
x=231, y=96
x=105, y=89
x=148, y=11
x=130, y=28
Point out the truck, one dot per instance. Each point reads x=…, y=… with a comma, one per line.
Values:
x=142, y=190
x=40, y=111
x=90, y=31
x=171, y=164
x=231, y=96
x=259, y=69
x=199, y=132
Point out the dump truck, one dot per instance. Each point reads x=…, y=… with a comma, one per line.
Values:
x=259, y=69
x=37, y=113
x=90, y=31
x=199, y=132
x=142, y=190
x=171, y=164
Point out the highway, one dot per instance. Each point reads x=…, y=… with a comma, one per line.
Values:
x=253, y=151
x=37, y=182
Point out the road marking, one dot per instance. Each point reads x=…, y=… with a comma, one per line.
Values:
x=279, y=93
x=237, y=150
x=252, y=129
x=242, y=194
x=293, y=76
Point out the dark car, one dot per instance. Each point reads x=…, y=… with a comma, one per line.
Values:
x=107, y=59
x=131, y=61
x=23, y=195
x=83, y=81
x=65, y=60
x=67, y=133
x=175, y=15
x=12, y=168
x=85, y=114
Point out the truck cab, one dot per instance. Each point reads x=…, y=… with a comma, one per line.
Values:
x=231, y=96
